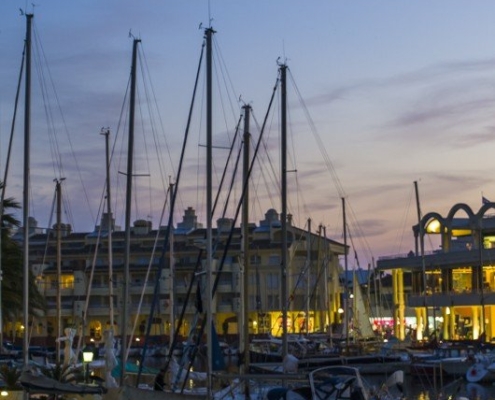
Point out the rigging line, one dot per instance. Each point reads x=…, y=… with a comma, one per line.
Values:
x=236, y=134
x=88, y=289
x=123, y=111
x=257, y=184
x=271, y=173
x=326, y=158
x=151, y=95
x=200, y=201
x=232, y=181
x=100, y=208
x=404, y=220
x=166, y=243
x=148, y=271
x=136, y=175
x=55, y=151
x=302, y=272
x=11, y=137
x=319, y=141
x=67, y=135
x=359, y=230
x=175, y=338
x=292, y=158
x=121, y=164
x=45, y=252
x=312, y=297
x=225, y=73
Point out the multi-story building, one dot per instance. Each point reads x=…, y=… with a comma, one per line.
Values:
x=453, y=288
x=84, y=282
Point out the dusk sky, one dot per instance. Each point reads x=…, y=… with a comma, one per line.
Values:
x=397, y=92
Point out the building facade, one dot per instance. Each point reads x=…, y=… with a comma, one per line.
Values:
x=452, y=289
x=83, y=286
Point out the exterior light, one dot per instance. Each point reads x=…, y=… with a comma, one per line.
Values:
x=87, y=358
x=340, y=311
x=4, y=393
x=88, y=355
x=447, y=311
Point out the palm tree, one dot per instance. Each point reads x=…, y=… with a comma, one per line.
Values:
x=12, y=269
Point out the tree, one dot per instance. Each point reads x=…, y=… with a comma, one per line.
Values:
x=12, y=270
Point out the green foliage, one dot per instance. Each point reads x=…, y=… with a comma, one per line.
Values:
x=10, y=375
x=12, y=270
x=64, y=373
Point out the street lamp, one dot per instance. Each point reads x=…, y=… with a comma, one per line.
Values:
x=87, y=358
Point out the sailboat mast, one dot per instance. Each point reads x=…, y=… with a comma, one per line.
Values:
x=127, y=249
x=422, y=250
x=245, y=247
x=283, y=157
x=27, y=145
x=346, y=284
x=171, y=301
x=328, y=302
x=209, y=206
x=106, y=133
x=308, y=276
x=58, y=190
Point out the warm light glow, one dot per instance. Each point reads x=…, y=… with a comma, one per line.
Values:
x=88, y=356
x=340, y=311
x=255, y=323
x=4, y=393
x=351, y=296
x=138, y=340
x=461, y=232
x=22, y=327
x=447, y=311
x=91, y=340
x=433, y=226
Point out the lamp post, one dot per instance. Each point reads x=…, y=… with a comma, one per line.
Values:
x=87, y=358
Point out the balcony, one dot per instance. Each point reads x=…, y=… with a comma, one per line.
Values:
x=453, y=259
x=452, y=299
x=224, y=308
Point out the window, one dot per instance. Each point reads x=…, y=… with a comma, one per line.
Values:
x=274, y=259
x=273, y=301
x=272, y=280
x=254, y=260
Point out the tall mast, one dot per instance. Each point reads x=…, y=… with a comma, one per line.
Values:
x=106, y=133
x=308, y=276
x=245, y=248
x=171, y=269
x=27, y=145
x=328, y=302
x=283, y=157
x=127, y=249
x=346, y=283
x=58, y=190
x=209, y=206
x=422, y=250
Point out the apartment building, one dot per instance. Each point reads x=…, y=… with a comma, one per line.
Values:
x=83, y=286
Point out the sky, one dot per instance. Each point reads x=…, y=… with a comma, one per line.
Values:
x=396, y=92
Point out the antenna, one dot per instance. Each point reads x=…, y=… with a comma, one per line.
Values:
x=209, y=12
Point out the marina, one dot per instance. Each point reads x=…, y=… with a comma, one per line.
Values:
x=231, y=291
